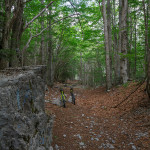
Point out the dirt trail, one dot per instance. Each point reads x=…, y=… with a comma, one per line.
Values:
x=92, y=124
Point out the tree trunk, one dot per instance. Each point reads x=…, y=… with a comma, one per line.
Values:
x=146, y=32
x=42, y=39
x=148, y=71
x=118, y=65
x=115, y=47
x=81, y=67
x=50, y=69
x=108, y=79
x=135, y=54
x=17, y=30
x=6, y=31
x=99, y=66
x=1, y=22
x=130, y=30
x=109, y=35
x=124, y=40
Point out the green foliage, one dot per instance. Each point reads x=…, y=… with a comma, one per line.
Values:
x=125, y=85
x=6, y=53
x=80, y=38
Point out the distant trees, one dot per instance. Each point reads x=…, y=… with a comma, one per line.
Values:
x=122, y=45
x=98, y=42
x=13, y=27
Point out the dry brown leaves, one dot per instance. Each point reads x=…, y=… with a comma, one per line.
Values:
x=94, y=124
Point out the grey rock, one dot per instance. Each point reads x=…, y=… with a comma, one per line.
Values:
x=57, y=102
x=92, y=138
x=96, y=139
x=79, y=136
x=81, y=144
x=64, y=135
x=133, y=147
x=50, y=148
x=23, y=122
x=99, y=136
x=56, y=147
x=106, y=146
x=70, y=99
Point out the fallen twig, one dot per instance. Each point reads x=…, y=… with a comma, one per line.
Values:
x=130, y=93
x=145, y=125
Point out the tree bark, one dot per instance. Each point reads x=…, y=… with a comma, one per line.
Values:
x=42, y=39
x=148, y=62
x=108, y=78
x=99, y=66
x=124, y=39
x=17, y=30
x=109, y=35
x=1, y=22
x=130, y=30
x=81, y=67
x=135, y=54
x=8, y=21
x=115, y=48
x=50, y=69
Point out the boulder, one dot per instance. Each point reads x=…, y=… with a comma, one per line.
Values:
x=24, y=125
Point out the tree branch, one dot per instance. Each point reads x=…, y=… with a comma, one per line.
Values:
x=27, y=25
x=27, y=44
x=27, y=1
x=77, y=15
x=130, y=93
x=52, y=24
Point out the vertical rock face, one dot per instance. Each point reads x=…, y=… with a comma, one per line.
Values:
x=23, y=122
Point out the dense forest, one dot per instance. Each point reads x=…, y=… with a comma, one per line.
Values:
x=99, y=42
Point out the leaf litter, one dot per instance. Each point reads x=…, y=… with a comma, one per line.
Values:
x=94, y=124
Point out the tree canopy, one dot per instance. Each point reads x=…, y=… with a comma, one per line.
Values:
x=92, y=41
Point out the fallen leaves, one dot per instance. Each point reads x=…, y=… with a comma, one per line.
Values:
x=93, y=124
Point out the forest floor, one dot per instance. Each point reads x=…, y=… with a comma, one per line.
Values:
x=94, y=124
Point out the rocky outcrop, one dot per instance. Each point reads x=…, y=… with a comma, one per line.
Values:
x=24, y=125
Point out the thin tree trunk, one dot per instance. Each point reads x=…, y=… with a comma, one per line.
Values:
x=119, y=45
x=148, y=66
x=6, y=31
x=109, y=35
x=50, y=77
x=81, y=66
x=146, y=32
x=42, y=39
x=108, y=78
x=1, y=22
x=130, y=28
x=99, y=66
x=135, y=53
x=17, y=30
x=115, y=47
x=124, y=40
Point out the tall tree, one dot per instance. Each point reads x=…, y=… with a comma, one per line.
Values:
x=116, y=48
x=148, y=64
x=42, y=38
x=109, y=16
x=17, y=30
x=108, y=78
x=1, y=21
x=8, y=22
x=123, y=4
x=50, y=69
